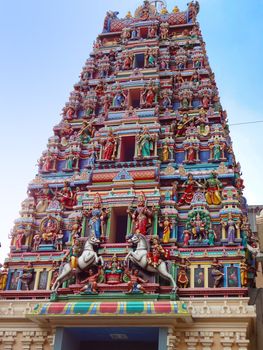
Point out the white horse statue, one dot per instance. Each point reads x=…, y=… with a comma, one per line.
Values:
x=86, y=259
x=139, y=257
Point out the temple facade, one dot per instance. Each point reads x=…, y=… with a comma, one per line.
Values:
x=135, y=231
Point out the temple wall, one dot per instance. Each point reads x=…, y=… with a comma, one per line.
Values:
x=213, y=324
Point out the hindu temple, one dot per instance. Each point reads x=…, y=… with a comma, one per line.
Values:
x=135, y=230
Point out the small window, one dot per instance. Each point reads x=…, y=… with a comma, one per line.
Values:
x=139, y=60
x=127, y=149
x=118, y=225
x=134, y=98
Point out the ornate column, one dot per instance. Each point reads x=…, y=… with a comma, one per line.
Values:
x=27, y=339
x=241, y=340
x=49, y=278
x=39, y=340
x=171, y=339
x=227, y=340
x=51, y=340
x=207, y=340
x=37, y=279
x=191, y=339
x=8, y=340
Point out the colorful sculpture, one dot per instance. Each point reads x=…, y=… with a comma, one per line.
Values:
x=141, y=216
x=143, y=121
x=190, y=185
x=145, y=143
x=213, y=189
x=109, y=147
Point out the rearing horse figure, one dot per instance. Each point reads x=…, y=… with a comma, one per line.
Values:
x=139, y=257
x=86, y=259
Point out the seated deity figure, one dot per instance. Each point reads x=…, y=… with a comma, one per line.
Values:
x=157, y=253
x=67, y=196
x=141, y=216
x=49, y=227
x=73, y=253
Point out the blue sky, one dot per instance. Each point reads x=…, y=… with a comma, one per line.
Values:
x=44, y=45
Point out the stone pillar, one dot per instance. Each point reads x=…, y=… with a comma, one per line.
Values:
x=37, y=279
x=191, y=339
x=207, y=340
x=39, y=340
x=27, y=340
x=227, y=340
x=171, y=339
x=51, y=340
x=8, y=340
x=241, y=340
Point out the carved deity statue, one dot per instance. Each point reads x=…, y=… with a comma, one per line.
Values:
x=145, y=143
x=190, y=186
x=109, y=148
x=97, y=218
x=141, y=216
x=213, y=186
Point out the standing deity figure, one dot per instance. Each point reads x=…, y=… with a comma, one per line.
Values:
x=244, y=272
x=213, y=186
x=36, y=241
x=190, y=185
x=217, y=273
x=198, y=227
x=127, y=61
x=175, y=191
x=97, y=218
x=150, y=58
x=182, y=278
x=167, y=227
x=145, y=143
x=217, y=150
x=165, y=152
x=202, y=123
x=119, y=99
x=141, y=216
x=19, y=235
x=109, y=149
x=191, y=152
x=149, y=95
x=231, y=227
x=152, y=31
x=3, y=276
x=211, y=236
x=157, y=253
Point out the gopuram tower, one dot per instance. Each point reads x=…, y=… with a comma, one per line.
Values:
x=134, y=233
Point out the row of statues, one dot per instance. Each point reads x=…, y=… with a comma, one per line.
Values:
x=115, y=273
